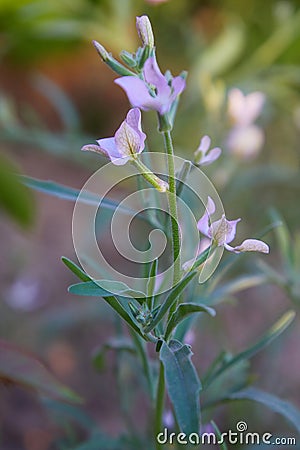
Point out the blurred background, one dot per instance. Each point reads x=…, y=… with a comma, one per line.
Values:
x=56, y=95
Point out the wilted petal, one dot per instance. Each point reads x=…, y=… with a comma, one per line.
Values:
x=203, y=223
x=252, y=245
x=223, y=231
x=127, y=140
x=94, y=148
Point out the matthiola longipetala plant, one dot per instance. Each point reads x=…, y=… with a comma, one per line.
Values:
x=156, y=314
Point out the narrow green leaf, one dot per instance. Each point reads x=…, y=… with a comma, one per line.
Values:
x=76, y=269
x=286, y=409
x=174, y=294
x=151, y=283
x=183, y=384
x=92, y=289
x=267, y=338
x=22, y=368
x=183, y=311
x=67, y=193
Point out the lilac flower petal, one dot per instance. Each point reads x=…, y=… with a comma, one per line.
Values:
x=203, y=223
x=127, y=140
x=210, y=157
x=154, y=77
x=134, y=120
x=108, y=145
x=204, y=144
x=252, y=245
x=178, y=86
x=223, y=231
x=138, y=94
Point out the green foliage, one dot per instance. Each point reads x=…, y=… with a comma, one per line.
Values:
x=183, y=384
x=18, y=367
x=15, y=199
x=272, y=402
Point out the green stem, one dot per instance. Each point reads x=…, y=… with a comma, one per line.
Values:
x=159, y=184
x=160, y=398
x=173, y=207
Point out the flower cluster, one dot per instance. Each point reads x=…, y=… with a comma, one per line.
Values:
x=147, y=88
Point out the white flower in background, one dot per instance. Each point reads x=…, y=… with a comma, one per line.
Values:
x=245, y=139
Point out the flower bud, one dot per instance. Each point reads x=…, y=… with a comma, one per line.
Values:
x=111, y=61
x=145, y=32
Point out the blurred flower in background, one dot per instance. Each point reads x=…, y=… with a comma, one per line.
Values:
x=245, y=139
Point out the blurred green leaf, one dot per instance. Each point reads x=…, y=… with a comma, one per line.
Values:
x=67, y=193
x=232, y=287
x=183, y=311
x=267, y=338
x=120, y=344
x=21, y=368
x=183, y=384
x=15, y=199
x=274, y=403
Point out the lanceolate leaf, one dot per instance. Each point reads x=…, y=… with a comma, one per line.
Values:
x=92, y=289
x=67, y=193
x=21, y=368
x=267, y=338
x=184, y=310
x=277, y=405
x=183, y=384
x=76, y=269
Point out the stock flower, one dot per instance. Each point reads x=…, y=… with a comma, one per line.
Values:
x=245, y=139
x=223, y=231
x=128, y=141
x=155, y=91
x=243, y=109
x=203, y=156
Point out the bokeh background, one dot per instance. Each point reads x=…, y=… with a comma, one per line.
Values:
x=56, y=95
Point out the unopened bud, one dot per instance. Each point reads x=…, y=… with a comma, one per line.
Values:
x=111, y=61
x=144, y=28
x=101, y=50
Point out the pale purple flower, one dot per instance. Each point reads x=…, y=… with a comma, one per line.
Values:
x=155, y=91
x=244, y=109
x=245, y=139
x=203, y=156
x=222, y=232
x=128, y=141
x=245, y=142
